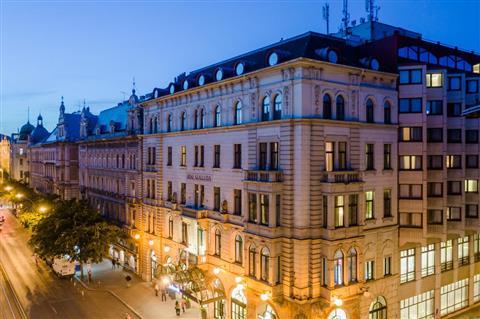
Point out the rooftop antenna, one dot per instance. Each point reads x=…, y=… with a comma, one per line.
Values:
x=372, y=10
x=326, y=16
x=28, y=114
x=346, y=16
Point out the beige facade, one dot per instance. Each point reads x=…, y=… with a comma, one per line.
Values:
x=5, y=153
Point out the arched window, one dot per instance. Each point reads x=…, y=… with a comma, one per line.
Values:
x=201, y=124
x=277, y=110
x=238, y=113
x=352, y=265
x=151, y=125
x=252, y=260
x=337, y=314
x=218, y=242
x=183, y=121
x=327, y=107
x=170, y=227
x=155, y=125
x=338, y=268
x=239, y=304
x=217, y=120
x=264, y=264
x=369, y=111
x=195, y=119
x=238, y=249
x=378, y=309
x=340, y=108
x=169, y=123
x=266, y=108
x=387, y=113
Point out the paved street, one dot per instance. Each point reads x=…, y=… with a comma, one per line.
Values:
x=41, y=293
x=8, y=306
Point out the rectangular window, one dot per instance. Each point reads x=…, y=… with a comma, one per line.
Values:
x=339, y=211
x=369, y=157
x=476, y=288
x=169, y=191
x=472, y=86
x=434, y=107
x=434, y=217
x=387, y=203
x=454, y=213
x=471, y=136
x=202, y=156
x=454, y=135
x=325, y=211
x=183, y=193
x=454, y=188
x=329, y=156
x=342, y=155
x=463, y=256
x=435, y=135
x=410, y=105
x=407, y=265
x=410, y=76
x=195, y=156
x=471, y=186
x=454, y=109
x=353, y=210
x=454, y=83
x=387, y=266
x=428, y=260
x=252, y=207
x=410, y=162
x=420, y=306
x=471, y=161
x=169, y=156
x=453, y=161
x=216, y=156
x=369, y=270
x=435, y=189
x=237, y=155
x=184, y=233
x=410, y=191
x=446, y=255
x=237, y=205
x=410, y=134
x=369, y=205
x=434, y=80
x=262, y=158
x=274, y=156
x=216, y=198
x=183, y=156
x=264, y=209
x=387, y=156
x=453, y=297
x=471, y=211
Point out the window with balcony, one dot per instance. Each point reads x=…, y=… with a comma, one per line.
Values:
x=237, y=202
x=453, y=297
x=216, y=156
x=352, y=265
x=476, y=288
x=183, y=121
x=338, y=268
x=329, y=156
x=169, y=123
x=387, y=203
x=387, y=156
x=454, y=83
x=410, y=76
x=339, y=211
x=216, y=199
x=237, y=155
x=183, y=193
x=407, y=265
x=327, y=106
x=369, y=157
x=169, y=191
x=274, y=156
x=218, y=243
x=435, y=135
x=353, y=210
x=262, y=160
x=410, y=162
x=199, y=196
x=369, y=270
x=264, y=209
x=201, y=123
x=434, y=189
x=369, y=205
x=453, y=161
x=454, y=109
x=463, y=255
x=428, y=260
x=342, y=156
x=446, y=255
x=434, y=80
x=410, y=105
x=454, y=188
x=454, y=135
x=434, y=107
x=183, y=156
x=471, y=210
x=410, y=134
x=252, y=207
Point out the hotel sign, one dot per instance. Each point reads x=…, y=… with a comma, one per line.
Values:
x=199, y=177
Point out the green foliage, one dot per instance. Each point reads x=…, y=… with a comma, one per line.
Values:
x=73, y=228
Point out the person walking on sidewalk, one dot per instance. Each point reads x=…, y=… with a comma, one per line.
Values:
x=157, y=288
x=177, y=308
x=113, y=263
x=164, y=294
x=183, y=304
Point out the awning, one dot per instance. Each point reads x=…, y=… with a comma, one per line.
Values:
x=472, y=112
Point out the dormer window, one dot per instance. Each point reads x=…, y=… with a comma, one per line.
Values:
x=219, y=74
x=374, y=64
x=201, y=80
x=273, y=59
x=185, y=85
x=327, y=54
x=239, y=68
x=332, y=56
x=172, y=88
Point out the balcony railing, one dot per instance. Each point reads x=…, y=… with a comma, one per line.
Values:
x=196, y=213
x=264, y=176
x=150, y=168
x=345, y=177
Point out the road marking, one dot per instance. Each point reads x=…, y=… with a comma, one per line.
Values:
x=8, y=301
x=53, y=308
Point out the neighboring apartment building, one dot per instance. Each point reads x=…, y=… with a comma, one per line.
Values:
x=5, y=153
x=53, y=159
x=19, y=168
x=274, y=173
x=110, y=174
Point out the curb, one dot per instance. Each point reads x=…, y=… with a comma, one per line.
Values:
x=112, y=293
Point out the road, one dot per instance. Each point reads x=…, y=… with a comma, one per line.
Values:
x=41, y=294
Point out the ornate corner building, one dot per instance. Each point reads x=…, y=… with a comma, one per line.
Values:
x=323, y=176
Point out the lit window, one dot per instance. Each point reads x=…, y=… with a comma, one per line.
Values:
x=238, y=113
x=428, y=260
x=471, y=186
x=407, y=265
x=369, y=205
x=420, y=306
x=338, y=268
x=463, y=256
x=410, y=162
x=453, y=297
x=434, y=80
x=339, y=211
x=369, y=270
x=446, y=255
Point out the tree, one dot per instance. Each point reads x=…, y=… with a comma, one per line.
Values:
x=75, y=230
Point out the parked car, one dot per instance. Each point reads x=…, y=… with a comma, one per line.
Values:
x=63, y=267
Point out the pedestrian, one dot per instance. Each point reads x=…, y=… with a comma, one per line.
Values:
x=164, y=294
x=89, y=276
x=184, y=304
x=113, y=263
x=156, y=287
x=177, y=308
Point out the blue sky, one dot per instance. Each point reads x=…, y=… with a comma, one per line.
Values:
x=92, y=49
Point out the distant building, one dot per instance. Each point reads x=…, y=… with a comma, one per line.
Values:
x=19, y=168
x=5, y=154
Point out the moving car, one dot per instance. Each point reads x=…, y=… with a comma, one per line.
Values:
x=63, y=267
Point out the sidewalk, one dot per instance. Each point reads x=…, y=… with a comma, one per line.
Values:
x=139, y=296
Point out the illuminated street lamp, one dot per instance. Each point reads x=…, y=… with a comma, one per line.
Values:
x=265, y=296
x=19, y=195
x=8, y=188
x=137, y=236
x=216, y=270
x=151, y=242
x=337, y=301
x=166, y=249
x=42, y=209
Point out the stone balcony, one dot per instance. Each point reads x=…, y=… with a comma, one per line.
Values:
x=192, y=212
x=261, y=176
x=343, y=177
